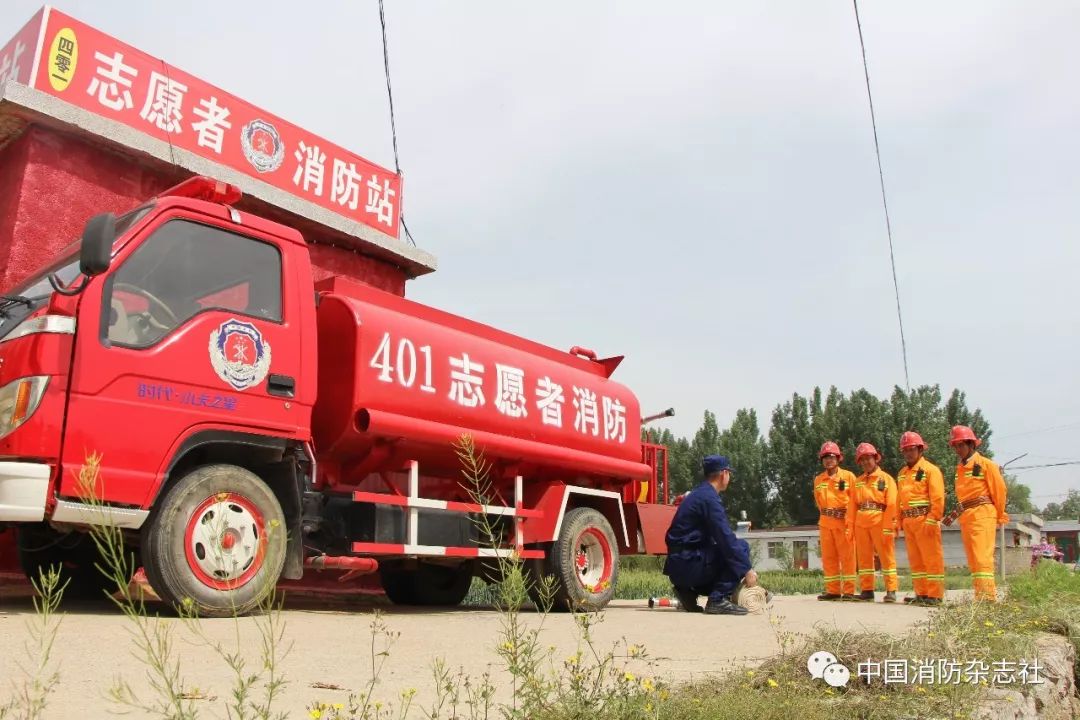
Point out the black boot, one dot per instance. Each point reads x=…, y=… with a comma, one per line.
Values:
x=890, y=597
x=909, y=600
x=866, y=596
x=925, y=601
x=828, y=596
x=687, y=601
x=724, y=606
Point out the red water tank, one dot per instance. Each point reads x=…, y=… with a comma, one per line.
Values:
x=393, y=372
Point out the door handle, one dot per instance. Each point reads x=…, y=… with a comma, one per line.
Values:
x=281, y=385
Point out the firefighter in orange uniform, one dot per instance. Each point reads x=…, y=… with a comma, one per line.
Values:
x=831, y=490
x=980, y=488
x=871, y=518
x=921, y=508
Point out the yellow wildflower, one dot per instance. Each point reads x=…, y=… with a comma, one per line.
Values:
x=339, y=706
x=315, y=714
x=773, y=683
x=647, y=685
x=629, y=677
x=988, y=623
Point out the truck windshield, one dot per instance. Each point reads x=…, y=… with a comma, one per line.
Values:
x=25, y=297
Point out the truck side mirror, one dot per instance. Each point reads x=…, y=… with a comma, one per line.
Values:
x=95, y=255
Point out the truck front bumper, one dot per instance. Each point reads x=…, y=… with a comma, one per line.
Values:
x=23, y=489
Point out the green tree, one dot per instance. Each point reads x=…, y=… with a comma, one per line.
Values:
x=678, y=449
x=745, y=448
x=1067, y=509
x=706, y=442
x=791, y=457
x=1019, y=497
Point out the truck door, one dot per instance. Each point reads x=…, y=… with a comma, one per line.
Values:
x=189, y=330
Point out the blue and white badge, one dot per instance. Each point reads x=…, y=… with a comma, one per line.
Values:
x=239, y=354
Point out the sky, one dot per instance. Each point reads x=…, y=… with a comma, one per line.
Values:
x=693, y=184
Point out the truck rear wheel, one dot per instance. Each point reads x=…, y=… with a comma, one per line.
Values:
x=427, y=584
x=216, y=542
x=74, y=553
x=585, y=562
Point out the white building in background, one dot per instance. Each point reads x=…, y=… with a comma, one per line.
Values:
x=772, y=547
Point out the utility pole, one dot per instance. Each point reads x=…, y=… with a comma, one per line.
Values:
x=1001, y=562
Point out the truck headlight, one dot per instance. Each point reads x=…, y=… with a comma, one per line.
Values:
x=18, y=401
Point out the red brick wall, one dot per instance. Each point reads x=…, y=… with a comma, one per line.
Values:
x=52, y=183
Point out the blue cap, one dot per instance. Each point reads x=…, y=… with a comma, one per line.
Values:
x=714, y=464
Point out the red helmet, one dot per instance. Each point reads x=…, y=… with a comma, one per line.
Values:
x=865, y=449
x=912, y=439
x=962, y=433
x=830, y=448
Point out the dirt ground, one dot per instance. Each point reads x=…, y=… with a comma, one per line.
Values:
x=333, y=646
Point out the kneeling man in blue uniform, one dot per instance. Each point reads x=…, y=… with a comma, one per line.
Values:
x=704, y=556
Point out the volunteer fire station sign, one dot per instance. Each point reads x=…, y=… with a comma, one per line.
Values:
x=58, y=55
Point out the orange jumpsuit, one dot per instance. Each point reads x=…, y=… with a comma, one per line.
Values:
x=871, y=519
x=837, y=550
x=979, y=483
x=920, y=509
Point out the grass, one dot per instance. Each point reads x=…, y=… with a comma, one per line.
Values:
x=640, y=577
x=595, y=682
x=1047, y=600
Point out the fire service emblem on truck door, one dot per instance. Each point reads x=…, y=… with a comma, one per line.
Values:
x=239, y=354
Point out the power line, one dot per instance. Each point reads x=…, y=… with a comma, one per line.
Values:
x=1038, y=431
x=393, y=123
x=1045, y=465
x=884, y=202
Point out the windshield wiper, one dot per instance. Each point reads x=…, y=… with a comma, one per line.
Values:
x=7, y=301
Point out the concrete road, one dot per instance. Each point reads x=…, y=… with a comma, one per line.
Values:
x=332, y=647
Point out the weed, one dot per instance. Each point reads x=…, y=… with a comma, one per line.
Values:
x=31, y=694
x=154, y=639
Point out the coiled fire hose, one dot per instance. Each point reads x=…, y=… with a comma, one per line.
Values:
x=754, y=599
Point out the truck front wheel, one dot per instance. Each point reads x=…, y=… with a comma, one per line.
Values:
x=585, y=562
x=216, y=544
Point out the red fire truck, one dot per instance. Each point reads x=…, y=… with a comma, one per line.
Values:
x=224, y=395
